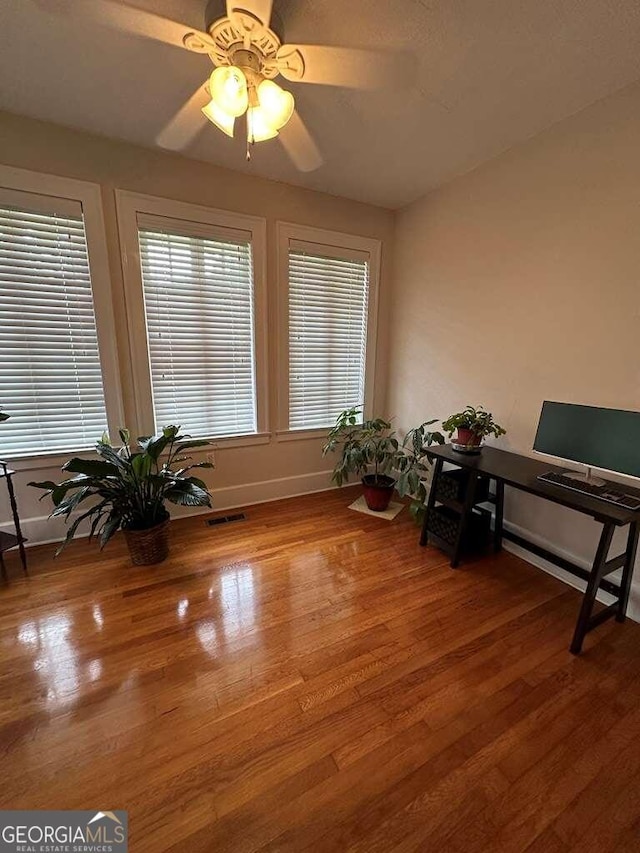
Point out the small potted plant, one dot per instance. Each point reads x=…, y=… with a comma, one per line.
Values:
x=471, y=426
x=371, y=444
x=127, y=490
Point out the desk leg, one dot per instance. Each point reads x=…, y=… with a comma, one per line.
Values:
x=498, y=524
x=627, y=572
x=437, y=470
x=469, y=501
x=16, y=522
x=597, y=573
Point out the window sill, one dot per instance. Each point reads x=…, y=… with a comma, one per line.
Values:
x=57, y=459
x=222, y=442
x=302, y=434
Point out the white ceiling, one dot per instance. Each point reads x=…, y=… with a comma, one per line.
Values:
x=487, y=74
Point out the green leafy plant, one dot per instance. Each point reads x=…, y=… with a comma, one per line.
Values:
x=128, y=488
x=479, y=421
x=372, y=444
x=413, y=464
x=362, y=444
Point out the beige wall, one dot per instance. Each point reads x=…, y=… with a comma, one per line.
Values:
x=519, y=282
x=51, y=149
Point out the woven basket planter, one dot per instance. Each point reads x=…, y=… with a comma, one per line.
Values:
x=147, y=547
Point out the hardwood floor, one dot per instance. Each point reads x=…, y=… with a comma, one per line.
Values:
x=311, y=679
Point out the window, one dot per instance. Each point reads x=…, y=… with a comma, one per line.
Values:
x=328, y=299
x=198, y=293
x=329, y=317
x=51, y=378
x=197, y=284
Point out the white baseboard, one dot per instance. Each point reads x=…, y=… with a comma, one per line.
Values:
x=633, y=610
x=231, y=497
x=41, y=530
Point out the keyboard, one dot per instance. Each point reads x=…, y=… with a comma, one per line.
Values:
x=603, y=493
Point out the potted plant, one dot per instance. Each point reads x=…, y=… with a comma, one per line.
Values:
x=371, y=444
x=472, y=425
x=127, y=490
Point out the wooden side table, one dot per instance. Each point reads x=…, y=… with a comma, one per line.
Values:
x=11, y=540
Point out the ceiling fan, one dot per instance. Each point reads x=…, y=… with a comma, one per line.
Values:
x=243, y=41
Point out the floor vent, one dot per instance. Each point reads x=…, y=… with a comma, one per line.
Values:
x=223, y=519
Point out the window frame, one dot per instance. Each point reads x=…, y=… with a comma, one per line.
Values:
x=287, y=232
x=128, y=206
x=89, y=196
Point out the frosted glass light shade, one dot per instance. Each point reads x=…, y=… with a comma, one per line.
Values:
x=259, y=126
x=219, y=117
x=228, y=89
x=276, y=103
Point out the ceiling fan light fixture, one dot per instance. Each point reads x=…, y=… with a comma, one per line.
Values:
x=229, y=90
x=276, y=103
x=219, y=117
x=247, y=54
x=259, y=125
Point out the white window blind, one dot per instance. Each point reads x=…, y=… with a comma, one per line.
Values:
x=328, y=300
x=50, y=376
x=198, y=294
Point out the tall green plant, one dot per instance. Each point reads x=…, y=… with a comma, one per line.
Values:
x=128, y=488
x=362, y=445
x=372, y=444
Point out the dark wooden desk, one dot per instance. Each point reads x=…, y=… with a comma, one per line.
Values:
x=521, y=472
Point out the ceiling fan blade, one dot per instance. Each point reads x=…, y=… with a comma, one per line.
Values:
x=260, y=9
x=121, y=16
x=186, y=123
x=299, y=145
x=344, y=66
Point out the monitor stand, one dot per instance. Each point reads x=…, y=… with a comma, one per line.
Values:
x=585, y=477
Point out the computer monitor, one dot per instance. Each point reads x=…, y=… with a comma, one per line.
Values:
x=598, y=438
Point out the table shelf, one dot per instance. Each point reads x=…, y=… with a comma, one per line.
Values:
x=9, y=540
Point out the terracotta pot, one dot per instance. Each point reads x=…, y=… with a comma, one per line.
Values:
x=147, y=547
x=378, y=492
x=468, y=437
